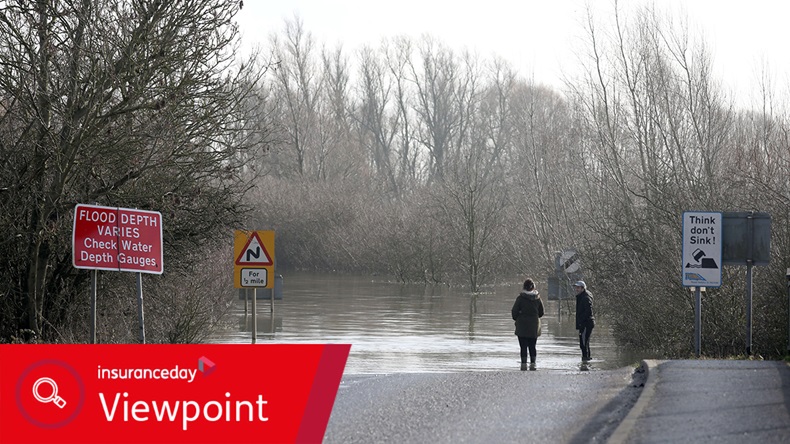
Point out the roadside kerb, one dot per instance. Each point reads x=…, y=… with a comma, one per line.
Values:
x=622, y=431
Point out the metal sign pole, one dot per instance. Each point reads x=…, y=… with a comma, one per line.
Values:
x=254, y=313
x=697, y=320
x=749, y=264
x=140, y=306
x=749, y=308
x=788, y=310
x=93, y=306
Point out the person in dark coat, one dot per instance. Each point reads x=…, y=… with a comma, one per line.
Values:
x=527, y=311
x=585, y=321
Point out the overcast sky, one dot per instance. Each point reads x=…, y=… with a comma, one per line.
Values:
x=538, y=37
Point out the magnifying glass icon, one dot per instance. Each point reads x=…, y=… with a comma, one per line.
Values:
x=54, y=398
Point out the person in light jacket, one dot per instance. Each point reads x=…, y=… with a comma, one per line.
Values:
x=585, y=321
x=526, y=312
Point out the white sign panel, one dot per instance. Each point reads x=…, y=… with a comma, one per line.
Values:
x=254, y=277
x=702, y=245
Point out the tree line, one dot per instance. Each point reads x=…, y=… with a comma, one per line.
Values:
x=431, y=164
x=409, y=159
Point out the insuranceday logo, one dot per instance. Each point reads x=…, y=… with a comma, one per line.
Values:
x=205, y=366
x=166, y=393
x=54, y=386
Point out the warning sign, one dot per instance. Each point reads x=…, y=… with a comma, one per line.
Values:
x=702, y=246
x=118, y=239
x=253, y=253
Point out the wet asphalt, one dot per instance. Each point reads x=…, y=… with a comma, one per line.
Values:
x=710, y=401
x=482, y=407
x=660, y=402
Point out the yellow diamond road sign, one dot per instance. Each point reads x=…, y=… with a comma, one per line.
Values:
x=253, y=253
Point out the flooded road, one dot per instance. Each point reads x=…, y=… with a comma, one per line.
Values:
x=409, y=328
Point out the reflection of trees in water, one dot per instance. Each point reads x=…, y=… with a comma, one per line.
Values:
x=267, y=323
x=472, y=314
x=566, y=325
x=396, y=327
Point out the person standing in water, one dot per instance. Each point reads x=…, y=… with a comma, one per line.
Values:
x=526, y=312
x=585, y=321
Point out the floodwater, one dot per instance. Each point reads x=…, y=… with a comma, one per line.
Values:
x=415, y=328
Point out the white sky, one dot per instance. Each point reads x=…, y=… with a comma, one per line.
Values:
x=537, y=37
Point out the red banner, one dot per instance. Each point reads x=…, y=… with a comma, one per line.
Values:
x=209, y=393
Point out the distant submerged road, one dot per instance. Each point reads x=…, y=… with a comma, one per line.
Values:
x=546, y=406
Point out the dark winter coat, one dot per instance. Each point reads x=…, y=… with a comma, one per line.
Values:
x=584, y=310
x=527, y=311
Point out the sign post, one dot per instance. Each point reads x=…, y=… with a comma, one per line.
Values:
x=713, y=239
x=117, y=239
x=254, y=259
x=567, y=269
x=697, y=320
x=94, y=279
x=747, y=241
x=254, y=266
x=701, y=261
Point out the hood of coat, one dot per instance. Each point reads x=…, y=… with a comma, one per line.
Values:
x=532, y=294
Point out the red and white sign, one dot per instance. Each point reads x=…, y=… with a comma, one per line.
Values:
x=120, y=239
x=168, y=393
x=254, y=252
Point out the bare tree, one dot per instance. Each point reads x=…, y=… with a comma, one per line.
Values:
x=339, y=154
x=545, y=168
x=658, y=125
x=298, y=91
x=377, y=121
x=472, y=192
x=115, y=102
x=398, y=55
x=440, y=94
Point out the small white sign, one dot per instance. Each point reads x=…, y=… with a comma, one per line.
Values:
x=569, y=261
x=702, y=246
x=254, y=277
